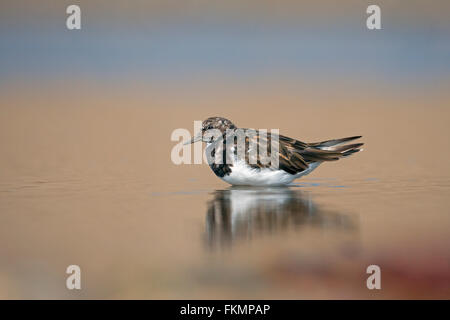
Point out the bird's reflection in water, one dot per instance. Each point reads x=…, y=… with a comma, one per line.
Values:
x=244, y=213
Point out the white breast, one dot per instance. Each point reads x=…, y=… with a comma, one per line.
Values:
x=243, y=174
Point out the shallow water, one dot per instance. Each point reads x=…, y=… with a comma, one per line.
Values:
x=90, y=182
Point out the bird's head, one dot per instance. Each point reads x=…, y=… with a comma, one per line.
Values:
x=212, y=129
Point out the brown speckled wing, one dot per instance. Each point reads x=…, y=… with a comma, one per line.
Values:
x=295, y=156
x=289, y=156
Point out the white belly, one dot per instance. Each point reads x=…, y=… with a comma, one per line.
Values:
x=244, y=175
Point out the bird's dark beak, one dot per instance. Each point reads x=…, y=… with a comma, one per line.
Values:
x=198, y=137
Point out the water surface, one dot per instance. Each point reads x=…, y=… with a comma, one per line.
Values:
x=93, y=185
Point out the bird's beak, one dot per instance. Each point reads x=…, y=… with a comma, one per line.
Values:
x=198, y=137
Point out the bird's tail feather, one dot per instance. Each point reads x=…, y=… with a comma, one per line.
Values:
x=332, y=143
x=331, y=150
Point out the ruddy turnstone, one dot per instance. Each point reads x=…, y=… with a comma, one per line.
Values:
x=295, y=158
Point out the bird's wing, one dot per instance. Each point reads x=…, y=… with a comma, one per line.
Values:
x=288, y=150
x=294, y=156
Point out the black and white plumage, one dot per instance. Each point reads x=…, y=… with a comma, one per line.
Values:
x=295, y=158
